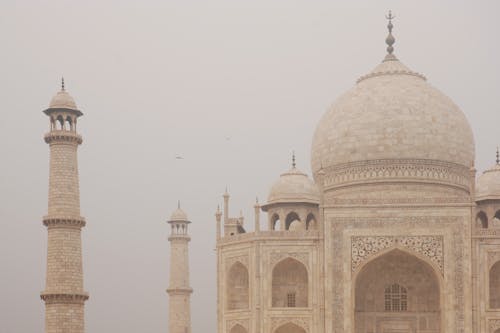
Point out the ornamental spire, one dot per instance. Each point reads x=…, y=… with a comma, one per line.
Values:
x=293, y=159
x=390, y=40
x=62, y=84
x=498, y=157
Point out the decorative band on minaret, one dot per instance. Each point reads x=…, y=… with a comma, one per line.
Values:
x=179, y=291
x=64, y=295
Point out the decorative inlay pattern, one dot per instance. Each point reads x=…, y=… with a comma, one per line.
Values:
x=303, y=257
x=363, y=247
x=276, y=322
x=494, y=324
x=380, y=170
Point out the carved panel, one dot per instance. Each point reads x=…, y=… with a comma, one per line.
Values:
x=363, y=247
x=277, y=322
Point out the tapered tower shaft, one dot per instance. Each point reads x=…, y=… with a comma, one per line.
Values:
x=179, y=290
x=64, y=295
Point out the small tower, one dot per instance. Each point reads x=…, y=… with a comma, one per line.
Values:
x=232, y=225
x=64, y=296
x=179, y=291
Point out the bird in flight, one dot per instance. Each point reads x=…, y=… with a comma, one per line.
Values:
x=179, y=157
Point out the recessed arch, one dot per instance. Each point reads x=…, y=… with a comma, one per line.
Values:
x=290, y=328
x=290, y=284
x=238, y=329
x=397, y=290
x=494, y=286
x=60, y=123
x=291, y=217
x=237, y=287
x=69, y=123
x=481, y=220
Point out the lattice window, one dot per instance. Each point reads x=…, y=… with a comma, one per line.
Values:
x=395, y=298
x=290, y=300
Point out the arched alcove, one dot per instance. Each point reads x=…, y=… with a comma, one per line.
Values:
x=238, y=329
x=311, y=223
x=494, y=287
x=60, y=123
x=69, y=124
x=397, y=292
x=291, y=217
x=275, y=222
x=289, y=284
x=481, y=220
x=237, y=287
x=290, y=328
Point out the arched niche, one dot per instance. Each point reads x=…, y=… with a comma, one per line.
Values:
x=291, y=217
x=237, y=287
x=311, y=222
x=397, y=292
x=290, y=328
x=289, y=284
x=238, y=329
x=481, y=220
x=494, y=286
x=275, y=222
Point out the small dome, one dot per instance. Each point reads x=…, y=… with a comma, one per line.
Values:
x=179, y=215
x=392, y=113
x=293, y=186
x=488, y=184
x=62, y=100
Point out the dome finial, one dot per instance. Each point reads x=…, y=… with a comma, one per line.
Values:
x=498, y=156
x=62, y=84
x=390, y=40
x=293, y=159
x=178, y=204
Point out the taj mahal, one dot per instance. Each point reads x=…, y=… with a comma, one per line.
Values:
x=394, y=232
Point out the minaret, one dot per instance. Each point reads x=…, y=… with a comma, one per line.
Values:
x=179, y=291
x=64, y=296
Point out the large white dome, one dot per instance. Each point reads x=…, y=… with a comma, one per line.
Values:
x=392, y=114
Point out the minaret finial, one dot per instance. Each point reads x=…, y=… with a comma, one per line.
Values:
x=390, y=40
x=62, y=84
x=498, y=156
x=293, y=159
x=178, y=204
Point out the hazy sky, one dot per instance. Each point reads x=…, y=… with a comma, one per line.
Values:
x=160, y=78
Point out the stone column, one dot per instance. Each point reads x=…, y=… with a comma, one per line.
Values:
x=64, y=295
x=179, y=291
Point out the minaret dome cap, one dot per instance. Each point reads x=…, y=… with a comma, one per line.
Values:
x=63, y=101
x=179, y=216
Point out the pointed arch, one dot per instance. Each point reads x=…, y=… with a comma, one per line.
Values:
x=290, y=328
x=291, y=217
x=60, y=123
x=237, y=282
x=290, y=284
x=397, y=288
x=481, y=220
x=238, y=329
x=494, y=286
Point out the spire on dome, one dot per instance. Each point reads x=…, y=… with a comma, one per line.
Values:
x=390, y=40
x=62, y=84
x=498, y=157
x=178, y=204
x=293, y=160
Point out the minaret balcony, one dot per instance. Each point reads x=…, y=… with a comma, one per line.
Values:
x=63, y=136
